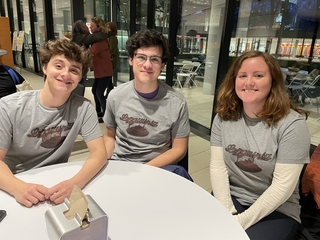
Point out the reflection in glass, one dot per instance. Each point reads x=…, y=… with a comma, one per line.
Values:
x=62, y=23
x=123, y=14
x=27, y=41
x=198, y=42
x=39, y=28
x=289, y=31
x=162, y=15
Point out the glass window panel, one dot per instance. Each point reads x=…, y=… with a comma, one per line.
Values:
x=123, y=15
x=17, y=55
x=102, y=9
x=198, y=40
x=27, y=42
x=15, y=15
x=4, y=2
x=162, y=9
x=142, y=14
x=62, y=23
x=289, y=30
x=39, y=27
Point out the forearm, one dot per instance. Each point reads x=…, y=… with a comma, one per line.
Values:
x=220, y=179
x=284, y=182
x=95, y=37
x=173, y=155
x=90, y=168
x=8, y=182
x=96, y=160
x=109, y=144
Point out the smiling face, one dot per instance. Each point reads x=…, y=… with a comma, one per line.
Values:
x=253, y=84
x=147, y=72
x=62, y=74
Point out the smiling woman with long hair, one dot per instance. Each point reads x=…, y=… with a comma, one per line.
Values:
x=259, y=144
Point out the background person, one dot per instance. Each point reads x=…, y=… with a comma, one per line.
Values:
x=114, y=51
x=39, y=127
x=146, y=120
x=81, y=35
x=259, y=144
x=102, y=67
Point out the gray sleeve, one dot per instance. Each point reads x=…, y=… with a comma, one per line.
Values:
x=5, y=124
x=182, y=127
x=215, y=136
x=109, y=116
x=294, y=143
x=90, y=128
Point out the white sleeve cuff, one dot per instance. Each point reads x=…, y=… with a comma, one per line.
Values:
x=285, y=178
x=220, y=179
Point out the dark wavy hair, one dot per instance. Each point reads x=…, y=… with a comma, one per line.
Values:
x=70, y=50
x=148, y=38
x=78, y=28
x=278, y=104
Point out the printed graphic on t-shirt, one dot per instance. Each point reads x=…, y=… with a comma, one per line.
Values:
x=51, y=137
x=246, y=158
x=137, y=126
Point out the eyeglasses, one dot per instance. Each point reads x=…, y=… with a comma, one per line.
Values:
x=142, y=58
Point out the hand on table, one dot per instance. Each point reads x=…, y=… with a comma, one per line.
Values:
x=59, y=192
x=29, y=194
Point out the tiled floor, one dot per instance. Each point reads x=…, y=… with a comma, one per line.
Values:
x=199, y=148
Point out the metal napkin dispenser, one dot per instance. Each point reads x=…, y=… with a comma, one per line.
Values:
x=93, y=226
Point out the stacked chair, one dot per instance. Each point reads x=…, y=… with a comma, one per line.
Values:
x=188, y=71
x=304, y=85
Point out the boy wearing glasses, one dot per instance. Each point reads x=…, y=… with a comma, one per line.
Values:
x=146, y=120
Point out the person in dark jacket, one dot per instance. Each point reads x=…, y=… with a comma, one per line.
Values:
x=7, y=86
x=82, y=36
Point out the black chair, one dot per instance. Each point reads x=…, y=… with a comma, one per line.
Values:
x=184, y=162
x=79, y=89
x=7, y=83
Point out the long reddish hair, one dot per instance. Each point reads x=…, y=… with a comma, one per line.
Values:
x=278, y=104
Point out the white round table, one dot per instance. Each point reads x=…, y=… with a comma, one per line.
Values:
x=142, y=202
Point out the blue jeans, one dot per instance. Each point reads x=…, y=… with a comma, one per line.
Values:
x=178, y=170
x=276, y=225
x=98, y=88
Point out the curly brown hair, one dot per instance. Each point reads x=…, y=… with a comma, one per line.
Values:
x=148, y=38
x=278, y=104
x=70, y=50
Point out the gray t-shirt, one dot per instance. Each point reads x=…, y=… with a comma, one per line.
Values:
x=145, y=127
x=35, y=135
x=251, y=150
